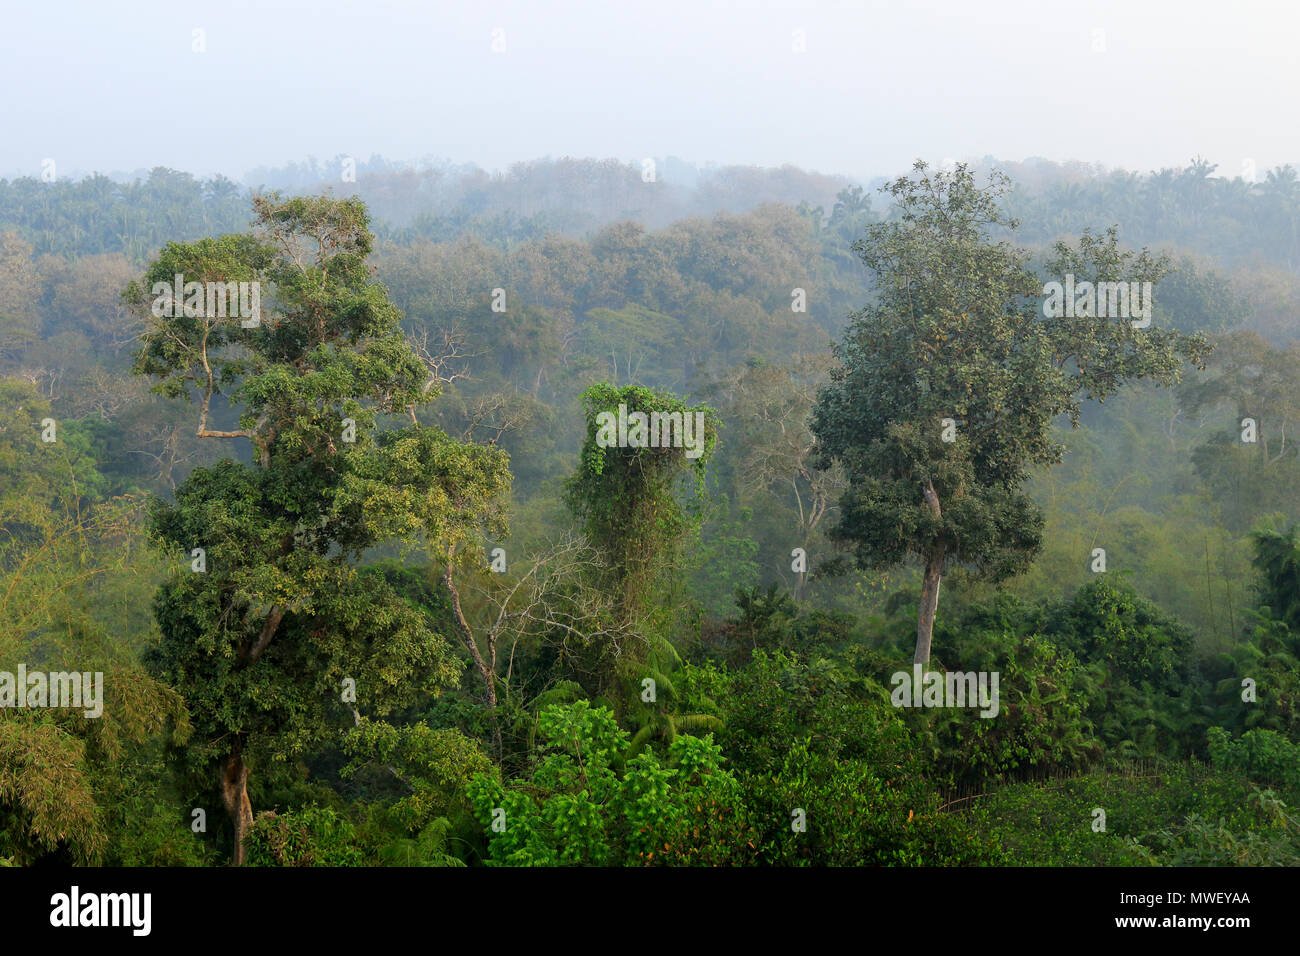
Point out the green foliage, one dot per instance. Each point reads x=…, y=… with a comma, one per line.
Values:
x=432, y=765
x=587, y=802
x=309, y=537
x=1272, y=838
x=1040, y=726
x=1277, y=558
x=263, y=639
x=145, y=814
x=1109, y=623
x=627, y=497
x=805, y=736
x=1267, y=657
x=1051, y=823
x=65, y=553
x=1105, y=668
x=670, y=711
x=428, y=848
x=312, y=836
x=725, y=560
x=1262, y=755
x=957, y=333
x=1199, y=299
x=1250, y=386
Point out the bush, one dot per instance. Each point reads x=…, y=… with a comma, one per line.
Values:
x=1051, y=824
x=587, y=803
x=1262, y=755
x=313, y=836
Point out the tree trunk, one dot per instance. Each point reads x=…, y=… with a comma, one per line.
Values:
x=929, y=604
x=929, y=584
x=487, y=668
x=234, y=794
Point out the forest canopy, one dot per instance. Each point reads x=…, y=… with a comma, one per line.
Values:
x=368, y=580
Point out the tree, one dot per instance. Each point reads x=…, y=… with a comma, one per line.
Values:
x=768, y=405
x=553, y=599
x=950, y=383
x=269, y=624
x=20, y=324
x=625, y=495
x=1277, y=558
x=1249, y=465
x=65, y=555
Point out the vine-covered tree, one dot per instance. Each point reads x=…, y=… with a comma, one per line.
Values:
x=951, y=381
x=269, y=631
x=625, y=490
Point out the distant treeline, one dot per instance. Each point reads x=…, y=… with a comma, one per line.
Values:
x=1237, y=218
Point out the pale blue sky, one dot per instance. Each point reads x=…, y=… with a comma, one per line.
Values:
x=117, y=87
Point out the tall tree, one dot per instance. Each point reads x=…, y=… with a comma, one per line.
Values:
x=625, y=489
x=949, y=384
x=275, y=639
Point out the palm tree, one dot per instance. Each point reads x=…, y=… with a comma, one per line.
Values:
x=654, y=715
x=1195, y=185
x=1158, y=197
x=1281, y=190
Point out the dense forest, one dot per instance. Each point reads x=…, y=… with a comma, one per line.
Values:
x=368, y=586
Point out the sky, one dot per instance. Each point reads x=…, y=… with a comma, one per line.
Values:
x=852, y=87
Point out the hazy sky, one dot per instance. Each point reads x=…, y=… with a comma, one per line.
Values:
x=119, y=86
